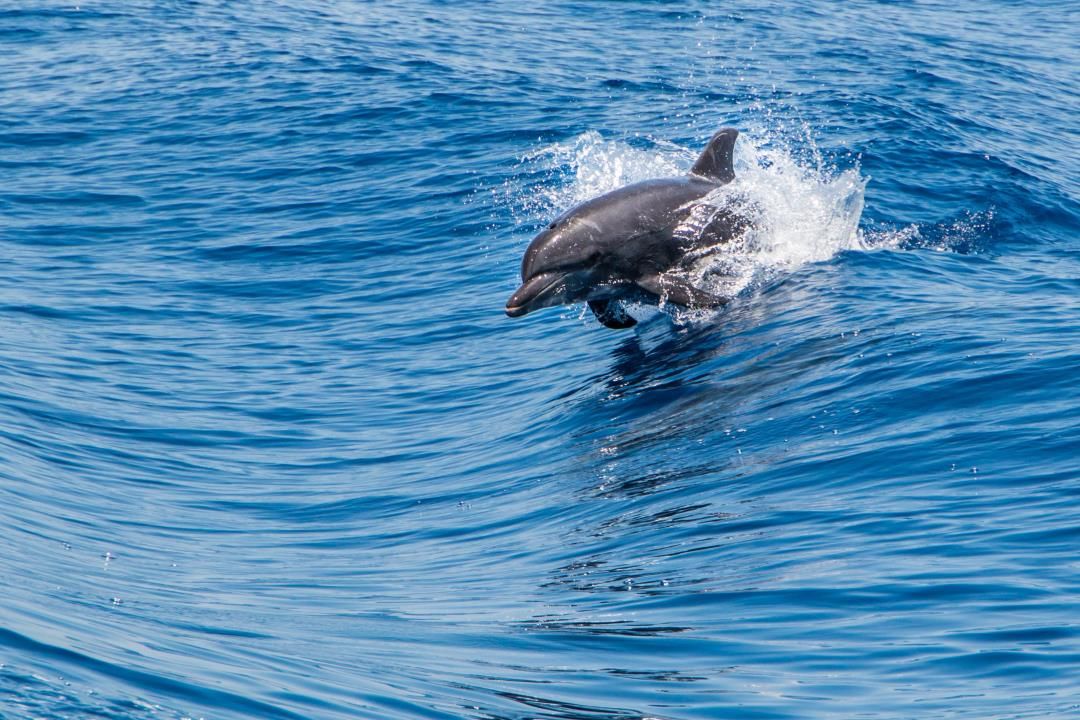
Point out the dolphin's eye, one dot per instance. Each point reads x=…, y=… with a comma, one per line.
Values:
x=552, y=226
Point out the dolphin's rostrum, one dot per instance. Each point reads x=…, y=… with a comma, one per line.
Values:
x=631, y=244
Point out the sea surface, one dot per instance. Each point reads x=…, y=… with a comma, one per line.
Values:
x=270, y=448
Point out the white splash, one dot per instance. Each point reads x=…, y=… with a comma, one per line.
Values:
x=801, y=213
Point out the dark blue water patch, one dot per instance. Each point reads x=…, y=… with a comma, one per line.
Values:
x=32, y=695
x=101, y=202
x=150, y=683
x=43, y=139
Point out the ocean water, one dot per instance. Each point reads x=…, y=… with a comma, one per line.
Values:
x=269, y=447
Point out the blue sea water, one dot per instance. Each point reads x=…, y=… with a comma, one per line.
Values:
x=269, y=447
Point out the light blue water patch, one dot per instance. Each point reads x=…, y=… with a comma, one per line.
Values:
x=269, y=447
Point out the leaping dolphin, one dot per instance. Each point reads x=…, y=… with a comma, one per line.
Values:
x=633, y=244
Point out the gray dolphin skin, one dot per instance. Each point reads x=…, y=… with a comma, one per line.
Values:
x=632, y=244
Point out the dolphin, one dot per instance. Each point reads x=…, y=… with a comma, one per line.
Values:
x=634, y=244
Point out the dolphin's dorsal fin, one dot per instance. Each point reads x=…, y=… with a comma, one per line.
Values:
x=715, y=162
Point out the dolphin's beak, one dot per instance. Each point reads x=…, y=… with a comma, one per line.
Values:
x=531, y=295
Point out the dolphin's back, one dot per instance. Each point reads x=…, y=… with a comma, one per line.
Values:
x=643, y=208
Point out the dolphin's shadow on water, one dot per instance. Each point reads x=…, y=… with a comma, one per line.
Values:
x=671, y=383
x=675, y=392
x=666, y=352
x=638, y=363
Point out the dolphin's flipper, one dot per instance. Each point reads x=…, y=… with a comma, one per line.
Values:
x=715, y=162
x=675, y=289
x=612, y=314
